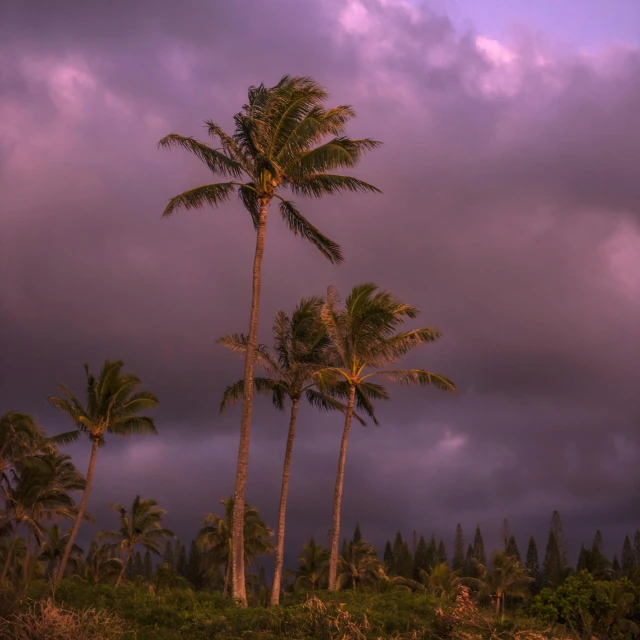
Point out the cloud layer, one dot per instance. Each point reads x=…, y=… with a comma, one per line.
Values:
x=510, y=216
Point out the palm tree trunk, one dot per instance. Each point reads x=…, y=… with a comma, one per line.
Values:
x=27, y=558
x=498, y=601
x=239, y=590
x=7, y=562
x=277, y=575
x=337, y=496
x=227, y=577
x=81, y=509
x=125, y=564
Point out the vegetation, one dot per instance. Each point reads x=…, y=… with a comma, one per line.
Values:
x=139, y=581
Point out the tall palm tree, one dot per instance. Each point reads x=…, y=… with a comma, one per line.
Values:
x=313, y=566
x=142, y=525
x=113, y=406
x=299, y=344
x=363, y=339
x=284, y=138
x=216, y=539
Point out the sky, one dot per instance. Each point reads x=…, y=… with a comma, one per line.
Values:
x=510, y=216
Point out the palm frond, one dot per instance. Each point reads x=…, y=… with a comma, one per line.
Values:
x=65, y=438
x=322, y=184
x=417, y=376
x=211, y=194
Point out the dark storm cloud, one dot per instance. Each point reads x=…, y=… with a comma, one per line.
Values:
x=510, y=217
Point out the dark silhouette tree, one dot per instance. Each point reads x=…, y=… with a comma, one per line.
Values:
x=458, y=550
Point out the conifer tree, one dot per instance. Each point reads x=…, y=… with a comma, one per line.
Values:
x=556, y=528
x=552, y=566
x=182, y=566
x=357, y=536
x=533, y=562
x=345, y=549
x=512, y=549
x=505, y=532
x=628, y=557
x=406, y=563
x=168, y=558
x=478, y=547
x=388, y=558
x=458, y=550
x=598, y=543
x=441, y=554
x=469, y=569
x=432, y=551
x=398, y=554
x=583, y=559
x=615, y=568
x=636, y=546
x=194, y=566
x=147, y=566
x=420, y=559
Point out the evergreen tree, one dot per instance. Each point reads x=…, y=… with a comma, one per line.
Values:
x=168, y=558
x=432, y=552
x=636, y=546
x=345, y=549
x=598, y=543
x=512, y=549
x=420, y=559
x=357, y=536
x=470, y=568
x=138, y=567
x=194, y=566
x=615, y=568
x=405, y=568
x=182, y=565
x=533, y=563
x=628, y=557
x=505, y=532
x=583, y=559
x=398, y=554
x=478, y=548
x=458, y=550
x=556, y=528
x=414, y=542
x=552, y=566
x=388, y=558
x=147, y=566
x=441, y=554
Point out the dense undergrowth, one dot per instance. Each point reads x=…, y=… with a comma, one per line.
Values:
x=78, y=611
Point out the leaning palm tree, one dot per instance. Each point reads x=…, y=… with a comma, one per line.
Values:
x=299, y=344
x=142, y=525
x=363, y=339
x=284, y=138
x=113, y=406
x=216, y=539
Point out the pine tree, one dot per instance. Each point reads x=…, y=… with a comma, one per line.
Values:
x=147, y=566
x=388, y=558
x=556, y=527
x=357, y=536
x=345, y=549
x=478, y=548
x=636, y=546
x=182, y=566
x=615, y=567
x=628, y=557
x=138, y=567
x=168, y=558
x=533, y=562
x=194, y=566
x=441, y=554
x=512, y=549
x=505, y=532
x=432, y=552
x=398, y=554
x=583, y=559
x=598, y=543
x=458, y=550
x=406, y=562
x=552, y=566
x=420, y=559
x=469, y=569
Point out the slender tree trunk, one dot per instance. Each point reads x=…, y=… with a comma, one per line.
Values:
x=81, y=509
x=337, y=496
x=498, y=600
x=7, y=562
x=27, y=558
x=277, y=575
x=124, y=567
x=239, y=590
x=227, y=577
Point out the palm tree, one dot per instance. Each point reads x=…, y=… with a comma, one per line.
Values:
x=359, y=566
x=101, y=562
x=216, y=539
x=441, y=581
x=363, y=339
x=299, y=344
x=33, y=496
x=20, y=437
x=54, y=547
x=142, y=525
x=112, y=406
x=313, y=566
x=507, y=577
x=280, y=142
